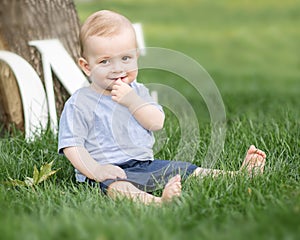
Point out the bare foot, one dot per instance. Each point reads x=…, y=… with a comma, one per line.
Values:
x=172, y=189
x=254, y=161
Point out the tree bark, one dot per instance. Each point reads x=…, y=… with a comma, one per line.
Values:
x=22, y=21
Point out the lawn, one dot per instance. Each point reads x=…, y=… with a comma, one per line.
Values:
x=251, y=51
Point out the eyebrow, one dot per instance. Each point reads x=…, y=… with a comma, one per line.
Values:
x=103, y=57
x=129, y=52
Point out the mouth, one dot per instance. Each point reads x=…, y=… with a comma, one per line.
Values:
x=115, y=79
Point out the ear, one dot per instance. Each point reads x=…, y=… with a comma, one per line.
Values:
x=84, y=65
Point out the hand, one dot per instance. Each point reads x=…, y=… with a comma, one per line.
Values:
x=122, y=93
x=109, y=171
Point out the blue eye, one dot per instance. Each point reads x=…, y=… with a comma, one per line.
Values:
x=104, y=62
x=126, y=58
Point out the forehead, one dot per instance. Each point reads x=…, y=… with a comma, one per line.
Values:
x=111, y=45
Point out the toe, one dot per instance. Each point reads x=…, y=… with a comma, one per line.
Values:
x=261, y=153
x=252, y=149
x=176, y=178
x=178, y=185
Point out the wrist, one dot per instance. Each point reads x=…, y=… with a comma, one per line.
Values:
x=136, y=102
x=95, y=173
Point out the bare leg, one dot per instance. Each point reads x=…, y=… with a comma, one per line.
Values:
x=254, y=164
x=128, y=190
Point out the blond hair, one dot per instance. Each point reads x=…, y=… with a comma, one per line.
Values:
x=103, y=23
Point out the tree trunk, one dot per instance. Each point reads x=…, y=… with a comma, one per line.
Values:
x=22, y=21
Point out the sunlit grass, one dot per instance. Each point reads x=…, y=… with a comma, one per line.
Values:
x=221, y=208
x=252, y=52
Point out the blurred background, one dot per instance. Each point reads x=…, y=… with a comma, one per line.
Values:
x=250, y=48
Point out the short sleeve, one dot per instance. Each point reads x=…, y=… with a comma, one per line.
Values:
x=73, y=127
x=144, y=93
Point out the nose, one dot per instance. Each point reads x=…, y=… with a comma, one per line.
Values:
x=117, y=67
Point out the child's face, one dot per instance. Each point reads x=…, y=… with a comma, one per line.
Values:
x=110, y=58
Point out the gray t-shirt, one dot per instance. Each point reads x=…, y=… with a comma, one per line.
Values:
x=105, y=128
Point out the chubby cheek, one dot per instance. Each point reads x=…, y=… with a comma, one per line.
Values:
x=97, y=74
x=132, y=75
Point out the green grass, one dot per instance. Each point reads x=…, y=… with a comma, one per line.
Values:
x=266, y=207
x=252, y=52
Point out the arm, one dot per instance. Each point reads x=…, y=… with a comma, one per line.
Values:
x=82, y=160
x=149, y=116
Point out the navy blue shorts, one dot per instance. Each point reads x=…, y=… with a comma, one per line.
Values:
x=150, y=175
